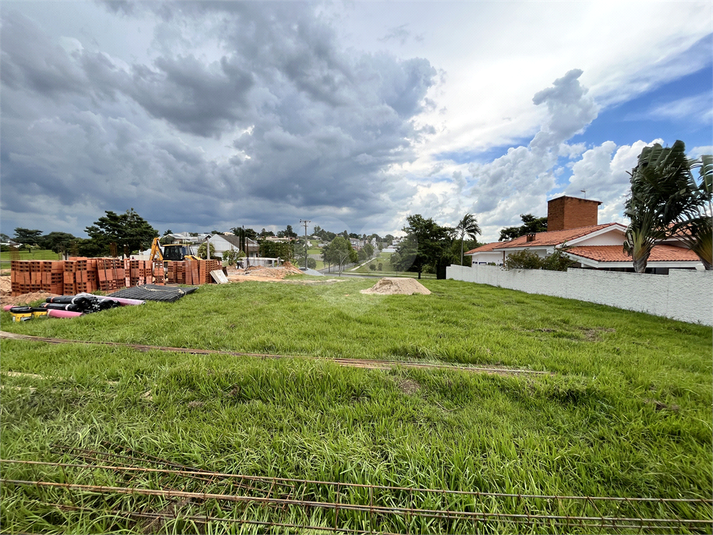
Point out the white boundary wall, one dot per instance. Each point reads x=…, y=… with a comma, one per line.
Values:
x=682, y=294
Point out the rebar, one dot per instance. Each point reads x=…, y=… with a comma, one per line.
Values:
x=347, y=362
x=384, y=508
x=263, y=479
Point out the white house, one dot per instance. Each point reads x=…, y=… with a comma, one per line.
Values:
x=572, y=223
x=222, y=243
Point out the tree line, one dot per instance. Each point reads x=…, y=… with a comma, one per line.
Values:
x=112, y=234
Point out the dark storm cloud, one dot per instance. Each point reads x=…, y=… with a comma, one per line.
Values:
x=306, y=127
x=31, y=62
x=195, y=98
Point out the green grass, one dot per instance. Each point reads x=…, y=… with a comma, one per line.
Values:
x=626, y=411
x=35, y=254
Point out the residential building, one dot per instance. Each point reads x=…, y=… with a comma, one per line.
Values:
x=572, y=225
x=228, y=242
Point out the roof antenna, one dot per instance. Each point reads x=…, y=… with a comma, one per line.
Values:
x=585, y=192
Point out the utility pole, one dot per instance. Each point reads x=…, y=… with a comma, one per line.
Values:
x=305, y=221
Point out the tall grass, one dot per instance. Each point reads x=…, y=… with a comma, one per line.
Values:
x=626, y=412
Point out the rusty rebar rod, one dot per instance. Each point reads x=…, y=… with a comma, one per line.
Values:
x=268, y=480
x=371, y=509
x=347, y=362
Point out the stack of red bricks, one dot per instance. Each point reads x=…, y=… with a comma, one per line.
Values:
x=176, y=273
x=111, y=274
x=76, y=275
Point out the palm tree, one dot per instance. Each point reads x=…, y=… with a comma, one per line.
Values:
x=467, y=226
x=661, y=191
x=641, y=237
x=695, y=225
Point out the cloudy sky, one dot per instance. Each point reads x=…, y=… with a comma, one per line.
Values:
x=354, y=114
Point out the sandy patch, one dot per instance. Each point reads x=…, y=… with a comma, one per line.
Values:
x=397, y=286
x=6, y=297
x=262, y=273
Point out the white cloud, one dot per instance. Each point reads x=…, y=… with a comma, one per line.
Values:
x=108, y=104
x=697, y=152
x=697, y=108
x=603, y=173
x=518, y=182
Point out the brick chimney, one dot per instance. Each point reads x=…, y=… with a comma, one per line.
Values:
x=571, y=212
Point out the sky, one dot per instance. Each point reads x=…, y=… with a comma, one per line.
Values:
x=350, y=114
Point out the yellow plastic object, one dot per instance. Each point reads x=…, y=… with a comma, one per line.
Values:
x=22, y=317
x=39, y=313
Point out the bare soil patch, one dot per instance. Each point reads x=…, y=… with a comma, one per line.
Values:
x=6, y=297
x=397, y=286
x=407, y=386
x=262, y=273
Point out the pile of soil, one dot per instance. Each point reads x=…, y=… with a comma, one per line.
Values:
x=263, y=273
x=24, y=299
x=397, y=286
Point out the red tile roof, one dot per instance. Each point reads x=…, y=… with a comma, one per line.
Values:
x=554, y=237
x=486, y=248
x=542, y=239
x=615, y=253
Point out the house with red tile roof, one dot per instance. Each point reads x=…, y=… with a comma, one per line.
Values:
x=572, y=225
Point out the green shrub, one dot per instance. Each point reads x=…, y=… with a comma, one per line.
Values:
x=202, y=251
x=372, y=267
x=311, y=263
x=523, y=260
x=558, y=261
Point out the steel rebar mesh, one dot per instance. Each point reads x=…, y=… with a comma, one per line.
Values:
x=134, y=488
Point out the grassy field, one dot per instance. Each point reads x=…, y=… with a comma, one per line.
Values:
x=386, y=270
x=35, y=254
x=624, y=411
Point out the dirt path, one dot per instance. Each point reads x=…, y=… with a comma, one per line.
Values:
x=352, y=363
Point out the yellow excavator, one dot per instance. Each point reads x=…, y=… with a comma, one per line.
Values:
x=171, y=252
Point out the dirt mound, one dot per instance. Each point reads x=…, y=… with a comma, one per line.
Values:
x=397, y=286
x=24, y=299
x=5, y=286
x=263, y=273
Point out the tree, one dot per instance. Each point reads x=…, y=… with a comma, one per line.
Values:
x=271, y=249
x=468, y=226
x=663, y=192
x=4, y=238
x=531, y=225
x=202, y=250
x=368, y=250
x=59, y=242
x=340, y=252
x=289, y=233
x=27, y=236
x=121, y=229
x=249, y=233
x=425, y=246
x=695, y=224
x=304, y=249
x=231, y=256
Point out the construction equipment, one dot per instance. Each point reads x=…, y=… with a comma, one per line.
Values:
x=171, y=252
